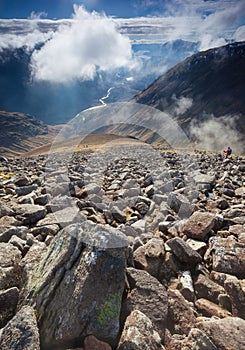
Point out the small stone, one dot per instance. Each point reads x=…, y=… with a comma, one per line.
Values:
x=92, y=343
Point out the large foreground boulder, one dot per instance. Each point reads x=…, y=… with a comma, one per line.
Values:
x=77, y=287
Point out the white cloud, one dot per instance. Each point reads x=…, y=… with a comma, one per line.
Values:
x=92, y=42
x=37, y=15
x=29, y=41
x=215, y=134
x=208, y=41
x=240, y=34
x=182, y=104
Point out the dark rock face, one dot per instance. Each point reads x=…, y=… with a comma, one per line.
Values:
x=122, y=252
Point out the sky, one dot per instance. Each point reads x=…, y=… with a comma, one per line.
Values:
x=56, y=9
x=80, y=38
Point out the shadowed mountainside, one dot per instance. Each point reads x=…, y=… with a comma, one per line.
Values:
x=212, y=82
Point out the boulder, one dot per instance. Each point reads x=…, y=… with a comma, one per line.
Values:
x=139, y=333
x=181, y=317
x=227, y=255
x=29, y=213
x=208, y=289
x=199, y=225
x=183, y=251
x=5, y=210
x=9, y=255
x=234, y=290
x=85, y=267
x=180, y=204
x=198, y=340
x=148, y=296
x=209, y=309
x=150, y=256
x=8, y=303
x=225, y=333
x=21, y=333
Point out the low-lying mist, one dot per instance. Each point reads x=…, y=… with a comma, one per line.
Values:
x=216, y=134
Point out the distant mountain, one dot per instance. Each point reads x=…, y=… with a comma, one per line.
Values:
x=21, y=132
x=209, y=83
x=58, y=103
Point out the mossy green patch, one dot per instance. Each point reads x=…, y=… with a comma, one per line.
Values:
x=110, y=309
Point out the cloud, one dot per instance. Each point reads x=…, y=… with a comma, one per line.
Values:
x=215, y=134
x=182, y=104
x=37, y=15
x=240, y=34
x=76, y=51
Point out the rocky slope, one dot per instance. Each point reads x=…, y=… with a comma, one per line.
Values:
x=135, y=249
x=212, y=82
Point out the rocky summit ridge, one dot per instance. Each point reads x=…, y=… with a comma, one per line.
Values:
x=128, y=249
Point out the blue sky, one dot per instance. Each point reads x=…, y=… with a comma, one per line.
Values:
x=57, y=9
x=64, y=8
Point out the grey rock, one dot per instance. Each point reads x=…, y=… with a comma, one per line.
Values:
x=139, y=226
x=139, y=333
x=18, y=242
x=208, y=289
x=9, y=255
x=180, y=204
x=148, y=296
x=227, y=255
x=63, y=217
x=81, y=269
x=226, y=333
x=23, y=191
x=30, y=214
x=181, y=317
x=199, y=225
x=118, y=214
x=10, y=277
x=19, y=231
x=21, y=333
x=8, y=303
x=186, y=286
x=22, y=181
x=183, y=251
x=5, y=210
